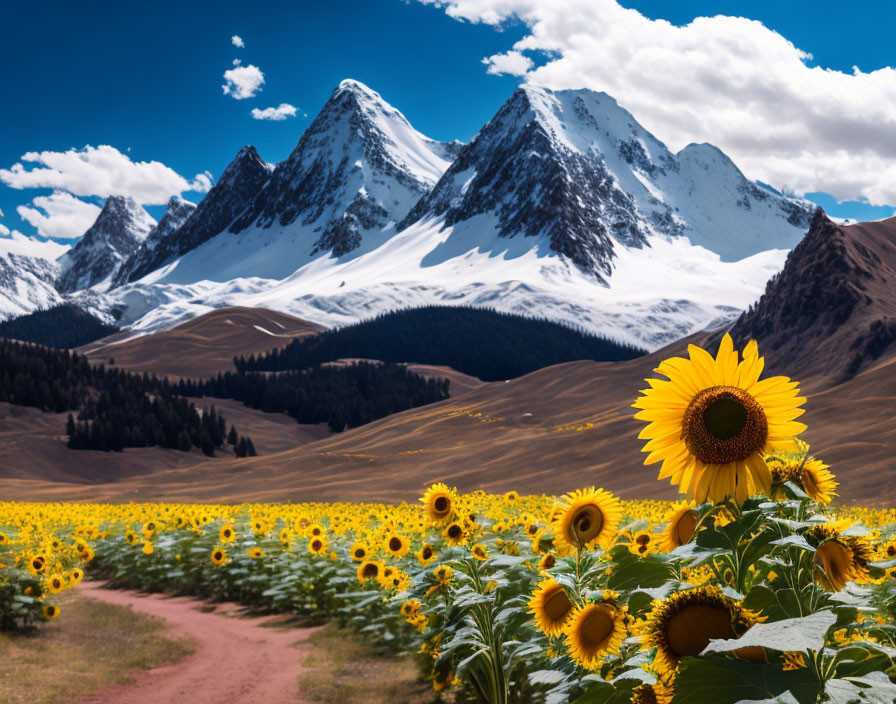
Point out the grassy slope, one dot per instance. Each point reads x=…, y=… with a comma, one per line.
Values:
x=92, y=644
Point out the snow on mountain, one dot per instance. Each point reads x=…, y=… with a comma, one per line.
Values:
x=117, y=233
x=358, y=168
x=243, y=178
x=176, y=215
x=562, y=206
x=28, y=269
x=575, y=168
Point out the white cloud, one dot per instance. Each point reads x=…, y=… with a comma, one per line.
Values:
x=242, y=81
x=59, y=215
x=237, y=41
x=281, y=112
x=512, y=63
x=726, y=80
x=4, y=230
x=102, y=171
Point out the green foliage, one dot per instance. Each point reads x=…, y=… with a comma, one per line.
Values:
x=478, y=341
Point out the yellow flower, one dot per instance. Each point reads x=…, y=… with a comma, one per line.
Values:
x=219, y=557
x=397, y=545
x=368, y=570
x=256, y=553
x=227, y=533
x=75, y=576
x=589, y=516
x=55, y=583
x=148, y=548
x=680, y=526
x=551, y=607
x=50, y=611
x=455, y=534
x=713, y=421
x=358, y=552
x=593, y=631
x=426, y=554
x=317, y=546
x=839, y=558
x=684, y=624
x=438, y=503
x=643, y=543
x=443, y=574
x=480, y=552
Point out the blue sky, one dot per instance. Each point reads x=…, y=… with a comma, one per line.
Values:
x=146, y=78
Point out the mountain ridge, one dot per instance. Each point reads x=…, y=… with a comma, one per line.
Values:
x=119, y=230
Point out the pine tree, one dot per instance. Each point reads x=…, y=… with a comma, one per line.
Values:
x=250, y=448
x=232, y=437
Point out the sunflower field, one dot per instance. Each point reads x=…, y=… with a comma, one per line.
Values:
x=754, y=588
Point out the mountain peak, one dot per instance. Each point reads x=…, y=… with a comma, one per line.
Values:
x=837, y=292
x=119, y=230
x=192, y=225
x=359, y=166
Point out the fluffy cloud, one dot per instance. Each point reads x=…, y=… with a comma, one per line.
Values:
x=730, y=81
x=237, y=41
x=242, y=81
x=4, y=230
x=102, y=171
x=59, y=215
x=512, y=63
x=281, y=112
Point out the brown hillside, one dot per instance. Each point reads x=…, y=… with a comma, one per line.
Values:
x=556, y=429
x=831, y=312
x=202, y=346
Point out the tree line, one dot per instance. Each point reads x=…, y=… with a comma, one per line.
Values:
x=109, y=409
x=343, y=396
x=482, y=342
x=63, y=327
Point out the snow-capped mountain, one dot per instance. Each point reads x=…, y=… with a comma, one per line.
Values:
x=28, y=269
x=562, y=206
x=576, y=170
x=176, y=215
x=359, y=167
x=119, y=230
x=243, y=178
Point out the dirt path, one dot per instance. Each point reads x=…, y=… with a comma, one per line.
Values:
x=237, y=659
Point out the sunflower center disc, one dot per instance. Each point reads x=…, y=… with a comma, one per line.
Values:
x=597, y=627
x=690, y=630
x=441, y=504
x=588, y=524
x=835, y=561
x=686, y=525
x=724, y=424
x=557, y=605
x=395, y=544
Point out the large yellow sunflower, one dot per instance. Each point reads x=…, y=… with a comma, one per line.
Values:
x=680, y=527
x=592, y=631
x=712, y=422
x=811, y=474
x=587, y=517
x=368, y=570
x=551, y=607
x=684, y=624
x=839, y=558
x=396, y=544
x=439, y=503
